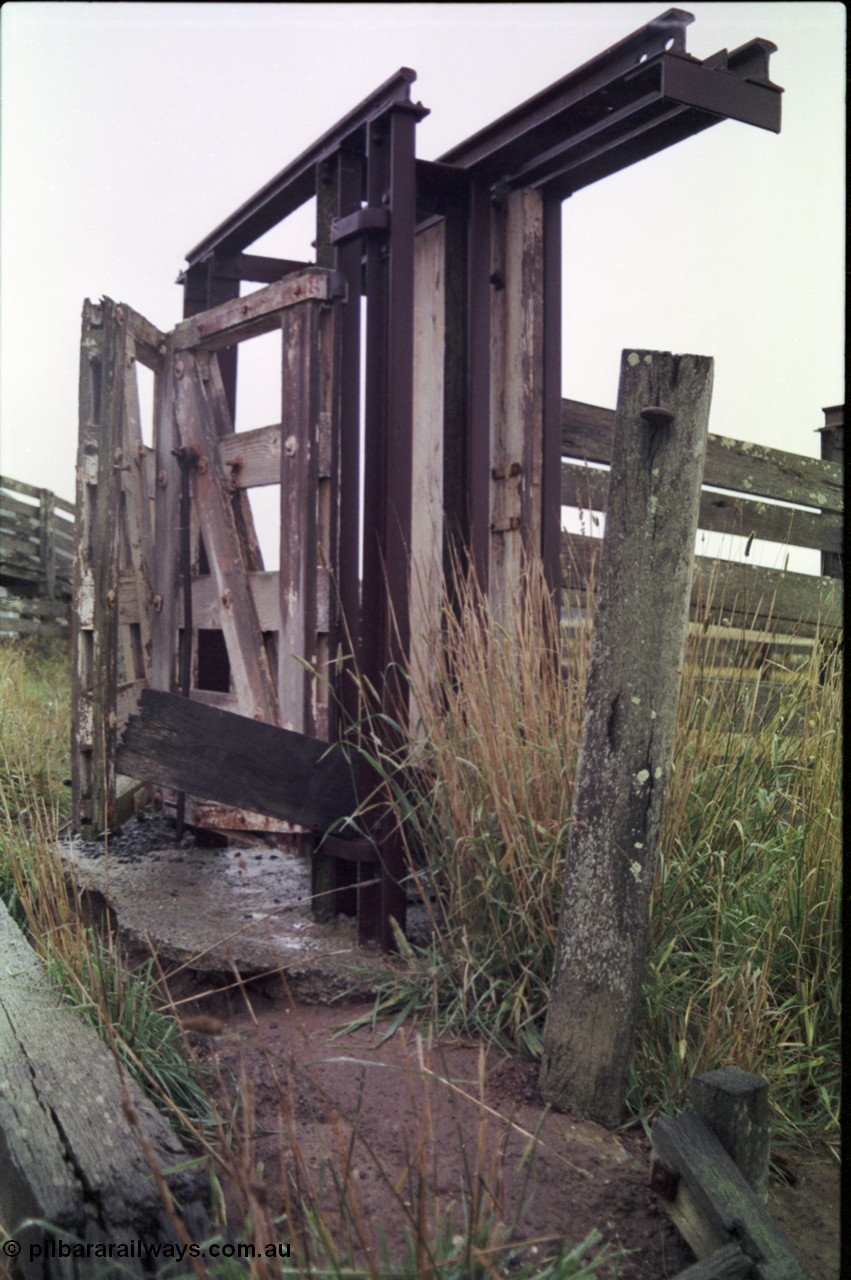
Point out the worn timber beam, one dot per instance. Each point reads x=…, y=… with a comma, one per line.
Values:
x=68, y=1154
x=628, y=730
x=712, y=1203
x=258, y=313
x=216, y=755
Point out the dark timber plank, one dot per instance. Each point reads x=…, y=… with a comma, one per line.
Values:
x=231, y=759
x=714, y=1206
x=68, y=1154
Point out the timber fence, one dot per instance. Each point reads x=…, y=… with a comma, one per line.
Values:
x=751, y=493
x=36, y=557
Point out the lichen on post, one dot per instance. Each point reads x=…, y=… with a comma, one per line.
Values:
x=628, y=729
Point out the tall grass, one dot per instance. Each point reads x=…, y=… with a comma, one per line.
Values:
x=122, y=1004
x=744, y=956
x=462, y=1237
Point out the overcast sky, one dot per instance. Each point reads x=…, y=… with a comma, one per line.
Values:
x=130, y=130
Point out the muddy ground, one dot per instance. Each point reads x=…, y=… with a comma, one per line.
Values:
x=393, y=1126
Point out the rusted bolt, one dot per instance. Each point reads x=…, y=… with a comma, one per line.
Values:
x=657, y=416
x=158, y=604
x=227, y=600
x=291, y=446
x=162, y=478
x=178, y=368
x=497, y=279
x=141, y=449
x=201, y=465
x=131, y=360
x=161, y=349
x=110, y=599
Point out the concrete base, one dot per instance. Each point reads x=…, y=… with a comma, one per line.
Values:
x=234, y=910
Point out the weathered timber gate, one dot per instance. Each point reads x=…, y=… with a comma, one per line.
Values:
x=452, y=394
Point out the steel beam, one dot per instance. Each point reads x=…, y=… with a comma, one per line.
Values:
x=295, y=184
x=640, y=86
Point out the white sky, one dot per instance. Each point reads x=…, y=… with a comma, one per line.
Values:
x=130, y=130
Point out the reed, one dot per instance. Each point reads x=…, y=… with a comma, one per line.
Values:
x=744, y=957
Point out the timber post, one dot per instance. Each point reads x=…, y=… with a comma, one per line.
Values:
x=628, y=729
x=734, y=1103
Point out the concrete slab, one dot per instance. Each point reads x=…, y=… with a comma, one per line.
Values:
x=238, y=908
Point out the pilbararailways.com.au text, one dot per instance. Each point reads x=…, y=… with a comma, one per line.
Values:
x=141, y=1249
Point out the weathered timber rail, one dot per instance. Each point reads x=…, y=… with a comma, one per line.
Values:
x=69, y=1155
x=749, y=490
x=710, y=1170
x=36, y=555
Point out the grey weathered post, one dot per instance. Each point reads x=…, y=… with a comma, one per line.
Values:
x=734, y=1103
x=628, y=729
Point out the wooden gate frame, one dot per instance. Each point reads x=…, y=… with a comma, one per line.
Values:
x=459, y=263
x=129, y=611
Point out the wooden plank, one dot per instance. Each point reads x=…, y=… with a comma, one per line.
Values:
x=210, y=489
x=428, y=457
x=70, y=1156
x=164, y=567
x=734, y=1103
x=253, y=457
x=714, y=1206
x=587, y=488
x=754, y=470
x=299, y=510
x=728, y=1263
x=206, y=603
x=729, y=593
x=516, y=391
x=148, y=341
x=628, y=729
x=103, y=351
x=309, y=496
x=258, y=313
x=233, y=760
x=136, y=530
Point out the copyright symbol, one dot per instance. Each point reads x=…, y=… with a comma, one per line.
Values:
x=11, y=1248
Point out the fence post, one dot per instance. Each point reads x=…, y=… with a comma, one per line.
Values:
x=628, y=729
x=832, y=450
x=47, y=545
x=734, y=1103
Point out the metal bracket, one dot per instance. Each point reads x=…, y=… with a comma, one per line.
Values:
x=360, y=223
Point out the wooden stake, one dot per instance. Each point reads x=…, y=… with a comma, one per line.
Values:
x=628, y=730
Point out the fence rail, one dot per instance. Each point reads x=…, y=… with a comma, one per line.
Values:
x=36, y=557
x=749, y=490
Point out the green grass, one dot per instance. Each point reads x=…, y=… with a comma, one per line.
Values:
x=744, y=955
x=318, y=1210
x=122, y=1004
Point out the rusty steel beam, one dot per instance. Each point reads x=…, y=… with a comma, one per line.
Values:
x=643, y=94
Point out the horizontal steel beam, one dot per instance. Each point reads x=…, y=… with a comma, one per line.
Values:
x=638, y=97
x=295, y=184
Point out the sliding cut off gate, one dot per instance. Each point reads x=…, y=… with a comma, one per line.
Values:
x=447, y=383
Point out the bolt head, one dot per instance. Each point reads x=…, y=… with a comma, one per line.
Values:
x=657, y=416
